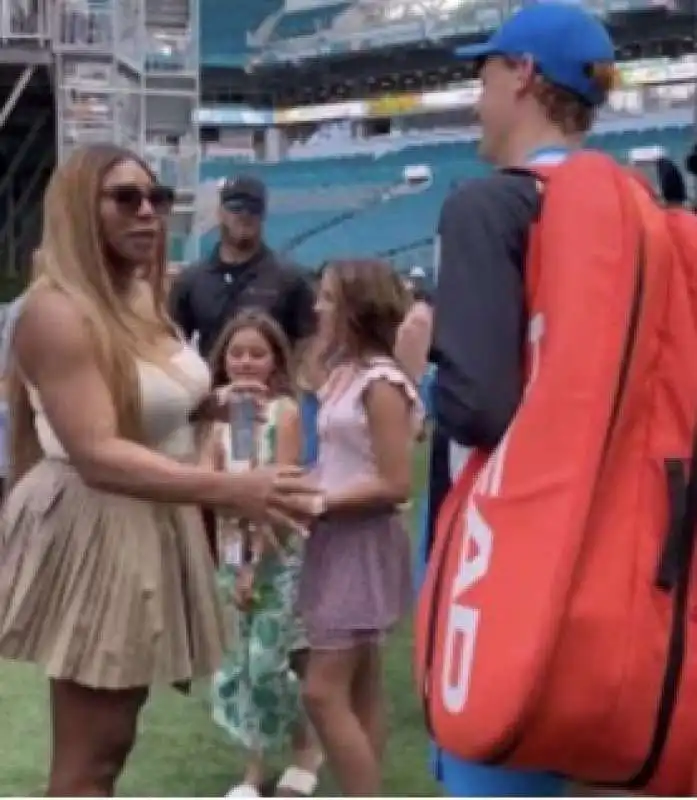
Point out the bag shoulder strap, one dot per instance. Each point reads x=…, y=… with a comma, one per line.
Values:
x=558, y=185
x=540, y=173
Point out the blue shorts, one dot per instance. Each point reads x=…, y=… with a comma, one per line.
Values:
x=464, y=779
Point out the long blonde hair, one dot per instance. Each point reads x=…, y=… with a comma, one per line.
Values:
x=73, y=259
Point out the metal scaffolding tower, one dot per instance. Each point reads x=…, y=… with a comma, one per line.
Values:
x=26, y=131
x=172, y=95
x=128, y=72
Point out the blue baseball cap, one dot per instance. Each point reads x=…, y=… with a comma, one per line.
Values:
x=564, y=40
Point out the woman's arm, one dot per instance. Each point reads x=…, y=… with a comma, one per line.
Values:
x=391, y=431
x=425, y=389
x=414, y=340
x=54, y=351
x=289, y=444
x=211, y=448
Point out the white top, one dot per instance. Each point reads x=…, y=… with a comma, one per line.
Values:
x=166, y=402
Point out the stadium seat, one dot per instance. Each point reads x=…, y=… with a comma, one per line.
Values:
x=310, y=193
x=224, y=28
x=307, y=21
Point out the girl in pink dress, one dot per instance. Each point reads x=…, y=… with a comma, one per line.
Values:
x=355, y=581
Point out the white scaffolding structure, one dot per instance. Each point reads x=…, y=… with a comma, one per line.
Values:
x=24, y=52
x=25, y=22
x=128, y=72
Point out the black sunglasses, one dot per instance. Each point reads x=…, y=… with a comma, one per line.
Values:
x=243, y=204
x=129, y=197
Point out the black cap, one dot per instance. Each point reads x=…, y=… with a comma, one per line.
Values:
x=244, y=193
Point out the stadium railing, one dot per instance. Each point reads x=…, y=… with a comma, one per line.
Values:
x=379, y=29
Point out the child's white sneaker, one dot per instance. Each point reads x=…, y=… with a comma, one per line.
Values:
x=298, y=782
x=243, y=790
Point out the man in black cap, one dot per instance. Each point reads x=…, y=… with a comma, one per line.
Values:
x=242, y=272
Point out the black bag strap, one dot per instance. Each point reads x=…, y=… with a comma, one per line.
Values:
x=674, y=574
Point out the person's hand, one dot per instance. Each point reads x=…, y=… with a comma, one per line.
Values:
x=310, y=507
x=277, y=494
x=208, y=410
x=215, y=405
x=244, y=387
x=300, y=501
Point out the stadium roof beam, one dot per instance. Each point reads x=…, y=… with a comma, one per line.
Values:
x=20, y=85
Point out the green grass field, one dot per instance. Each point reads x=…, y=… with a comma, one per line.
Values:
x=180, y=751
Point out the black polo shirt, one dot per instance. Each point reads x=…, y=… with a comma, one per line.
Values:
x=208, y=294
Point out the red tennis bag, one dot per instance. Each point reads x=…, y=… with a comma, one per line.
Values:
x=556, y=627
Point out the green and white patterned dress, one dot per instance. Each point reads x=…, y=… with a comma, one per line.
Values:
x=255, y=694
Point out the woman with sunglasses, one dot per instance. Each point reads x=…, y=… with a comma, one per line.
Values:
x=106, y=579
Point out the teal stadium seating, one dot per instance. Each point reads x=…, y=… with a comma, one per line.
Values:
x=225, y=24
x=224, y=28
x=307, y=193
x=307, y=21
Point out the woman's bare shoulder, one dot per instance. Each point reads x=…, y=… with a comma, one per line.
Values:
x=50, y=305
x=51, y=326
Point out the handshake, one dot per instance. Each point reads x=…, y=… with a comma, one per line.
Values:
x=279, y=494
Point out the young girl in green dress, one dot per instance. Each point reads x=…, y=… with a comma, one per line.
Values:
x=256, y=696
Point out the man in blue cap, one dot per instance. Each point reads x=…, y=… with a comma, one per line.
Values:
x=544, y=74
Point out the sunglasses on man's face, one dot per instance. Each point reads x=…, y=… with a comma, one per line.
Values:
x=129, y=197
x=244, y=205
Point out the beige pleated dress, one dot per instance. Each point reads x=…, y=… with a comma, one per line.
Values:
x=103, y=589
